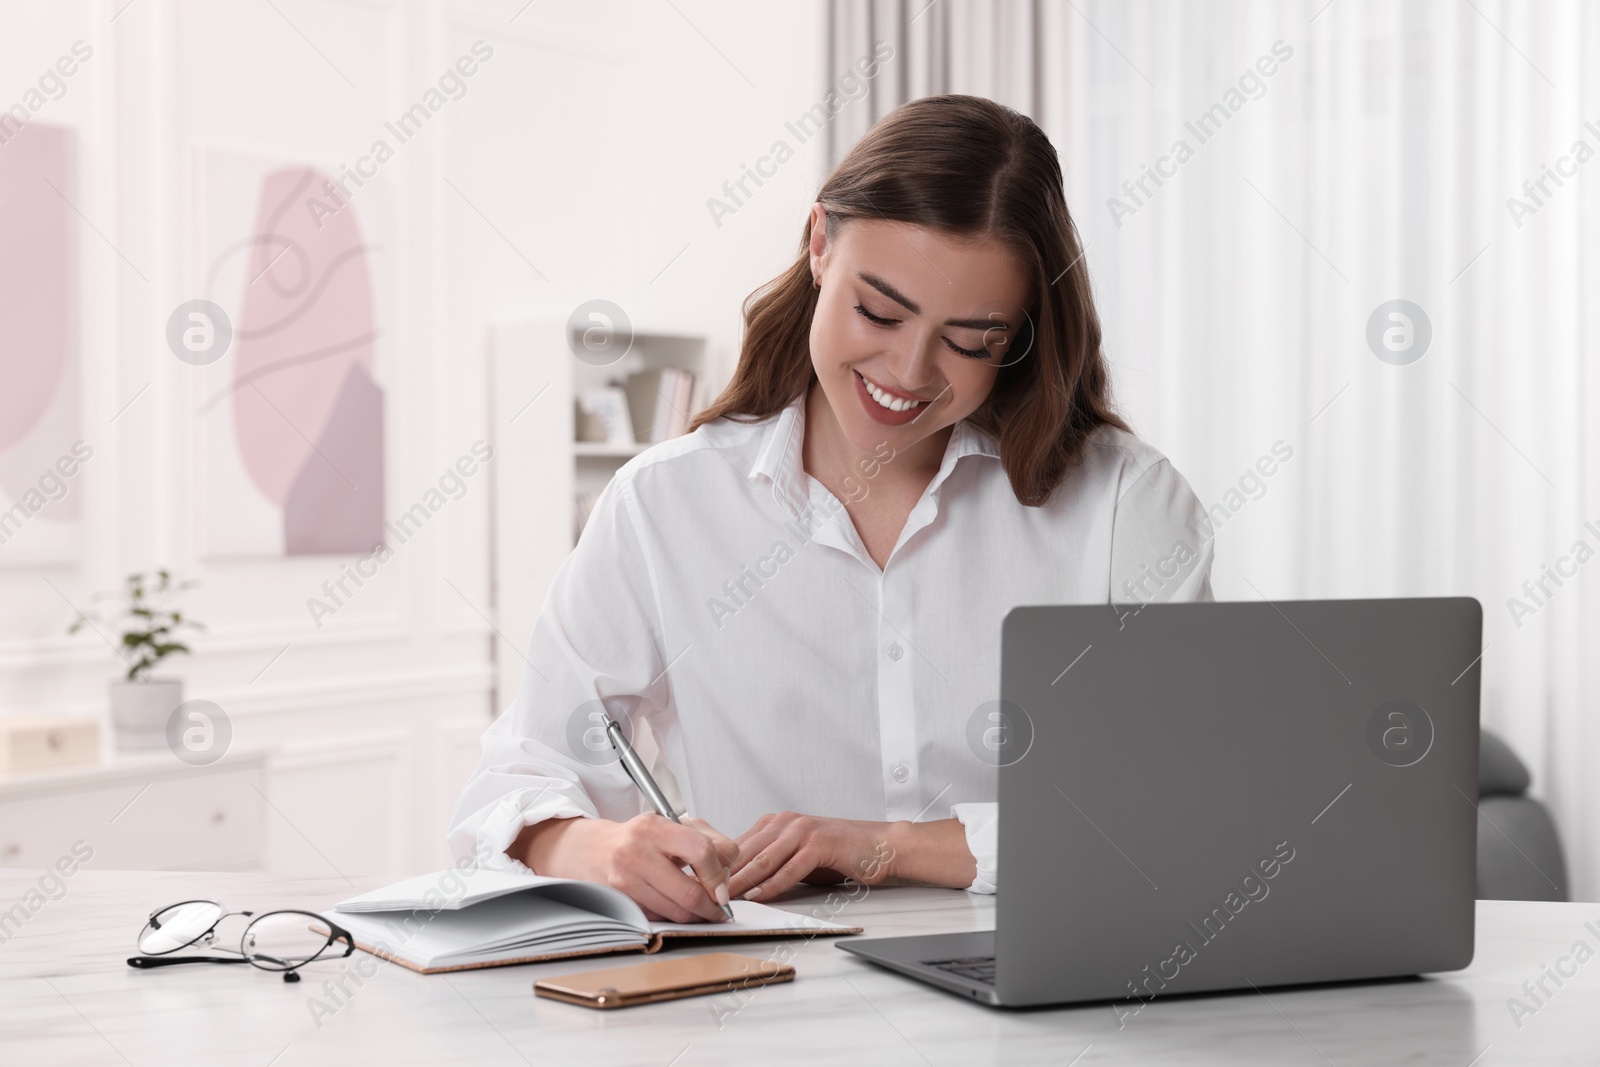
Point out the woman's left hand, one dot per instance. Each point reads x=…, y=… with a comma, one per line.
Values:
x=786, y=848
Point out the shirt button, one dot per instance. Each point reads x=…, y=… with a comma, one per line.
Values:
x=894, y=652
x=900, y=772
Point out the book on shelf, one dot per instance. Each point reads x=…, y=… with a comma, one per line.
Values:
x=660, y=401
x=506, y=917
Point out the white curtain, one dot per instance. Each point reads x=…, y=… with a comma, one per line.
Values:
x=939, y=47
x=1383, y=158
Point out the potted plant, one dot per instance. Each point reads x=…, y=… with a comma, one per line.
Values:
x=147, y=621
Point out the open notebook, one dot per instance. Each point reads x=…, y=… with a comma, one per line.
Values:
x=509, y=917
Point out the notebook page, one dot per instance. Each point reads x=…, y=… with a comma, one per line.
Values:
x=750, y=915
x=452, y=890
x=447, y=889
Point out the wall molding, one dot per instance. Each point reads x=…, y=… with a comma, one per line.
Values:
x=376, y=746
x=347, y=691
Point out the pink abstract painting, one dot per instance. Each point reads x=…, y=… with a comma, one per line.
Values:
x=307, y=410
x=33, y=277
x=39, y=397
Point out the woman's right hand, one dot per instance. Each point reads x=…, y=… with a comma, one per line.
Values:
x=642, y=857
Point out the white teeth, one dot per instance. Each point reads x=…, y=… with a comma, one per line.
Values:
x=887, y=401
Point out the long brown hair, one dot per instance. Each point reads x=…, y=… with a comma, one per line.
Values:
x=969, y=167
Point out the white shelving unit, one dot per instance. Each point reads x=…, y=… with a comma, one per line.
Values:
x=539, y=467
x=595, y=462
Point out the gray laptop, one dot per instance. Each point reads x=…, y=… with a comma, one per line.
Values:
x=1218, y=796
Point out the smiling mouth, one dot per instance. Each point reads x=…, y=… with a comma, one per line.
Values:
x=887, y=400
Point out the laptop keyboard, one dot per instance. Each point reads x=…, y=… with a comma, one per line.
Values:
x=977, y=968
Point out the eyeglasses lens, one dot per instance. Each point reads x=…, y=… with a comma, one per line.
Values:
x=177, y=926
x=285, y=939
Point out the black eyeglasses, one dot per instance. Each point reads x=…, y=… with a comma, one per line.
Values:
x=280, y=941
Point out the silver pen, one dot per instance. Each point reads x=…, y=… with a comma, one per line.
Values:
x=647, y=785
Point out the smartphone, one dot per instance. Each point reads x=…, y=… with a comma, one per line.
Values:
x=646, y=983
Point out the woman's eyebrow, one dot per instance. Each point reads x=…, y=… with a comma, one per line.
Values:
x=905, y=301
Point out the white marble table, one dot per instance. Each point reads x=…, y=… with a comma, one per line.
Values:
x=67, y=998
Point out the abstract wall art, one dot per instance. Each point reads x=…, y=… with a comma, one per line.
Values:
x=42, y=448
x=291, y=456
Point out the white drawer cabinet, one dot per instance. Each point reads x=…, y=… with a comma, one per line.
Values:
x=139, y=813
x=353, y=787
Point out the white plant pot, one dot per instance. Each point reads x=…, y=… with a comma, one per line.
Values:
x=140, y=710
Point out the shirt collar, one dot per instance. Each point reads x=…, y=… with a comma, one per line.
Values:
x=779, y=456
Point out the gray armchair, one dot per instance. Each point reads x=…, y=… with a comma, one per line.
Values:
x=1519, y=852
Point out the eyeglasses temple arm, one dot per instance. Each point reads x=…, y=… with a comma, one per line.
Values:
x=147, y=962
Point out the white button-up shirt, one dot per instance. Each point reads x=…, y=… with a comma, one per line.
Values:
x=777, y=667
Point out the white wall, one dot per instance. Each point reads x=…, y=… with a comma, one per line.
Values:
x=576, y=166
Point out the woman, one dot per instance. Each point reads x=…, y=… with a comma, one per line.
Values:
x=802, y=596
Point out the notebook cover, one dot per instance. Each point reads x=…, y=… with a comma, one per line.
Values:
x=655, y=944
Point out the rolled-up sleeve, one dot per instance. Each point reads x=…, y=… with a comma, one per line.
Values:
x=981, y=821
x=596, y=638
